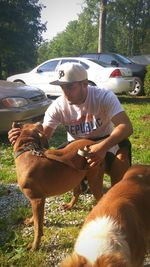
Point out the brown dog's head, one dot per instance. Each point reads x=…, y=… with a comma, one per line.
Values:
x=31, y=133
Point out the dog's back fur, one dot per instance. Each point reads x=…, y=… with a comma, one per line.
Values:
x=117, y=231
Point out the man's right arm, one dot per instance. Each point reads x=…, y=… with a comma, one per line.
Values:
x=13, y=135
x=48, y=131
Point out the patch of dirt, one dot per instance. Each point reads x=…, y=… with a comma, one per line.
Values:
x=146, y=117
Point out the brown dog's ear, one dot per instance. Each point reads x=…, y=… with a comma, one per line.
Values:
x=43, y=140
x=16, y=124
x=39, y=126
x=41, y=137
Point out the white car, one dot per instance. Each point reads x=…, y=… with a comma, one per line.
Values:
x=119, y=80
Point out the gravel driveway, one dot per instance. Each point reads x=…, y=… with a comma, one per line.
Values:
x=15, y=198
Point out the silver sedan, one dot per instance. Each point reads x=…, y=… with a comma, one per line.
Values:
x=21, y=103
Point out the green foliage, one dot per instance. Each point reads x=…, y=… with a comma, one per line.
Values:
x=139, y=114
x=71, y=42
x=20, y=33
x=127, y=30
x=147, y=82
x=22, y=47
x=146, y=43
x=130, y=20
x=7, y=168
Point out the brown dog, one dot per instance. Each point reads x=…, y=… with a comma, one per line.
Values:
x=117, y=231
x=43, y=172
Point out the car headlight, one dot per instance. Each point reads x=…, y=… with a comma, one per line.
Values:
x=14, y=102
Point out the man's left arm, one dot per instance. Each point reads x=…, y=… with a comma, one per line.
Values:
x=122, y=130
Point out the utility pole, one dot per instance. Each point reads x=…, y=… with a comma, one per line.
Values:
x=102, y=26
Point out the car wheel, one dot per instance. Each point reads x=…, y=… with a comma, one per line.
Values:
x=138, y=87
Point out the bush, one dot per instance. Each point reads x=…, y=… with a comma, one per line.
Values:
x=147, y=82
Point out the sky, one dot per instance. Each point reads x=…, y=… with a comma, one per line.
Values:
x=57, y=14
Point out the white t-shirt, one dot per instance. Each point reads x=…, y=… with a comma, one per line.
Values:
x=92, y=119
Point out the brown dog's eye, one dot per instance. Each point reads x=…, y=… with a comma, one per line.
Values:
x=40, y=135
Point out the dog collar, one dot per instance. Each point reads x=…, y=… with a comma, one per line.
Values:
x=35, y=150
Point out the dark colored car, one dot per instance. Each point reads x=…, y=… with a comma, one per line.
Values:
x=21, y=103
x=117, y=60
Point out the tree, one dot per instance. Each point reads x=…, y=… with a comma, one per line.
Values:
x=127, y=25
x=20, y=34
x=102, y=25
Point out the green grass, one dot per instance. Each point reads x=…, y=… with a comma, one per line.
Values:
x=60, y=228
x=140, y=117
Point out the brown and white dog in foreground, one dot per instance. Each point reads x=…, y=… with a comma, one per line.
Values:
x=117, y=231
x=43, y=172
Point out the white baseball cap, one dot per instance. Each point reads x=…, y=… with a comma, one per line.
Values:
x=69, y=73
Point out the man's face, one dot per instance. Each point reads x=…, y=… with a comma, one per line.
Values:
x=75, y=92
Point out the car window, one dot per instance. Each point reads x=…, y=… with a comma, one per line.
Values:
x=94, y=56
x=106, y=58
x=84, y=65
x=99, y=62
x=49, y=66
x=123, y=59
x=75, y=61
x=69, y=60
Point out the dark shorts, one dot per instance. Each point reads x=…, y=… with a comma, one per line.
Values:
x=109, y=156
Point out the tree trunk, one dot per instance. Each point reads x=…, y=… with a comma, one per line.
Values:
x=102, y=26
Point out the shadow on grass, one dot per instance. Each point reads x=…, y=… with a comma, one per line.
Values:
x=4, y=139
x=134, y=100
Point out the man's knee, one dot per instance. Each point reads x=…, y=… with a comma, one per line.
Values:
x=123, y=155
x=125, y=151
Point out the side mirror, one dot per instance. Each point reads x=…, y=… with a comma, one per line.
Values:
x=39, y=70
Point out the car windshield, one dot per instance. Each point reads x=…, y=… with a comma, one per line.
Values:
x=123, y=59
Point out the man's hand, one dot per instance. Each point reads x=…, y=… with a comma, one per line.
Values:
x=13, y=135
x=96, y=154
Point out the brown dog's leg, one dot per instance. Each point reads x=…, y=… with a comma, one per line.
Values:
x=119, y=166
x=74, y=199
x=95, y=180
x=38, y=215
